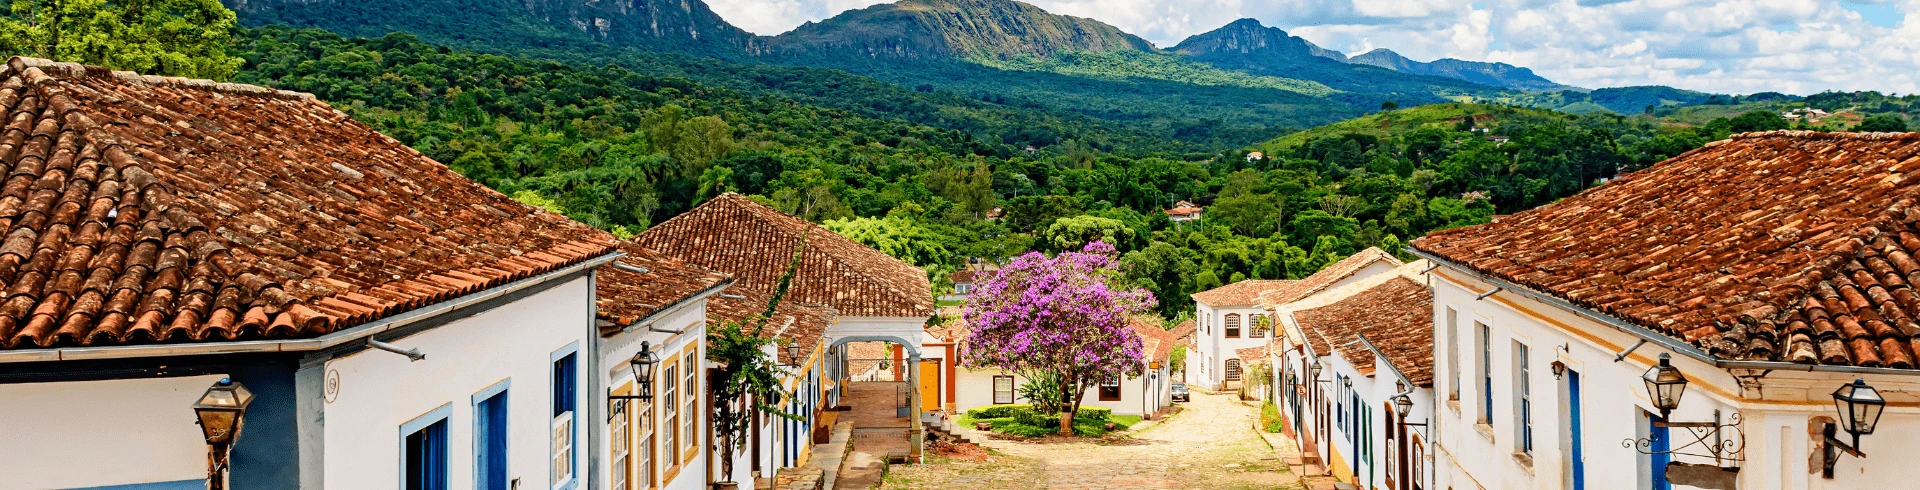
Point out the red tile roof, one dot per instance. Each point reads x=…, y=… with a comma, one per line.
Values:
x=1184, y=208
x=146, y=209
x=625, y=296
x=755, y=243
x=1156, y=343
x=1327, y=276
x=1793, y=246
x=1395, y=313
x=1183, y=333
x=791, y=321
x=1243, y=293
x=1251, y=355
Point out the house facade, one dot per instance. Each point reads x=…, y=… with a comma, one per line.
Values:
x=658, y=433
x=1184, y=211
x=840, y=292
x=396, y=325
x=1348, y=358
x=1145, y=395
x=1234, y=317
x=1768, y=270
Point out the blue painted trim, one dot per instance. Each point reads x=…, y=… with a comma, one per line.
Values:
x=438, y=414
x=165, y=485
x=570, y=348
x=488, y=392
x=444, y=412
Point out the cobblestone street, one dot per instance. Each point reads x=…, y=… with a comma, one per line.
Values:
x=1209, y=445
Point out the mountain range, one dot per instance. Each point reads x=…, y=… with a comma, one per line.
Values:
x=1243, y=81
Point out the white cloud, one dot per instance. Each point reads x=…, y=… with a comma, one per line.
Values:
x=1728, y=46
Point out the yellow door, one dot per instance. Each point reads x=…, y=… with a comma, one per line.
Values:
x=929, y=385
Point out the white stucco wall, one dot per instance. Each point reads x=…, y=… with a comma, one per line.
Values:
x=379, y=391
x=1136, y=396
x=1780, y=449
x=616, y=373
x=1207, y=365
x=98, y=433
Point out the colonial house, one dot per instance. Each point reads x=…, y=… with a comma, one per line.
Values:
x=1254, y=156
x=1354, y=366
x=1145, y=395
x=841, y=292
x=1233, y=317
x=1183, y=212
x=963, y=280
x=652, y=319
x=1722, y=319
x=183, y=251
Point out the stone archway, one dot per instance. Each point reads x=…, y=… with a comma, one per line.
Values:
x=915, y=428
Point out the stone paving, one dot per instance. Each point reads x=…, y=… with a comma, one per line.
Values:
x=1211, y=444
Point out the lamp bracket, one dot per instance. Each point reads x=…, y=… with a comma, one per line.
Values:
x=1831, y=450
x=413, y=354
x=1724, y=440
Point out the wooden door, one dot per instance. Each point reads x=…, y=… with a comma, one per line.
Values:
x=930, y=385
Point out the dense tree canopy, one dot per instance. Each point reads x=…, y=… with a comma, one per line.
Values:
x=185, y=38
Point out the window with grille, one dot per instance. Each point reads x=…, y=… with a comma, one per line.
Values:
x=1233, y=325
x=1233, y=370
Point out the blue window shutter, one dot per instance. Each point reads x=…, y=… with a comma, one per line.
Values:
x=427, y=458
x=490, y=444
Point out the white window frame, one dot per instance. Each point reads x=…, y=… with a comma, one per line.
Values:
x=1011, y=392
x=620, y=432
x=560, y=451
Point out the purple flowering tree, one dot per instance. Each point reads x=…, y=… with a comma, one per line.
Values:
x=1060, y=318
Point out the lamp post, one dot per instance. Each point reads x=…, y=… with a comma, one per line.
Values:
x=221, y=411
x=1403, y=405
x=793, y=354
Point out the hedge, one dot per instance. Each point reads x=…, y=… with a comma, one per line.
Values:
x=995, y=411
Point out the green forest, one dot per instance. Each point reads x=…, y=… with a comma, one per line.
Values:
x=938, y=178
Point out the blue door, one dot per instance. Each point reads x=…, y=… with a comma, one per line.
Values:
x=1659, y=447
x=1573, y=426
x=427, y=458
x=490, y=443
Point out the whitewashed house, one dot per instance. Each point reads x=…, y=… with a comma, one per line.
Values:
x=1145, y=395
x=1184, y=211
x=391, y=323
x=1231, y=318
x=652, y=337
x=841, y=292
x=1349, y=359
x=1770, y=270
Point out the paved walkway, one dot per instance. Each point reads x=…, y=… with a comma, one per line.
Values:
x=875, y=433
x=1210, y=445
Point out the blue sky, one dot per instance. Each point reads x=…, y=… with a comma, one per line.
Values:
x=1725, y=46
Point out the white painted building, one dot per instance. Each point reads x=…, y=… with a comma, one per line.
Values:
x=396, y=324
x=1371, y=341
x=1232, y=317
x=1768, y=296
x=1143, y=395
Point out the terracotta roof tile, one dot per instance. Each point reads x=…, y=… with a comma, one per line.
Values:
x=1243, y=293
x=1393, y=310
x=143, y=209
x=1788, y=245
x=1327, y=276
x=1251, y=355
x=625, y=296
x=755, y=243
x=792, y=321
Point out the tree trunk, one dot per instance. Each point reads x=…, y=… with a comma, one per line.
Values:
x=1072, y=405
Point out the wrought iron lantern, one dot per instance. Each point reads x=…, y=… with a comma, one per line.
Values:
x=221, y=411
x=642, y=366
x=1859, y=407
x=1403, y=405
x=1313, y=371
x=793, y=353
x=1722, y=439
x=1665, y=384
x=1559, y=369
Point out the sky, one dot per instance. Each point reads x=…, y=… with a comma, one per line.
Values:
x=1720, y=46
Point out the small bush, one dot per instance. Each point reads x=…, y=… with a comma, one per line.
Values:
x=996, y=411
x=1026, y=416
x=1094, y=413
x=1270, y=418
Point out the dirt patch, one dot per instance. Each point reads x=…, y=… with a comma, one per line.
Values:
x=960, y=451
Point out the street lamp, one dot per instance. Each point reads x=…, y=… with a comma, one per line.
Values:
x=1665, y=384
x=1559, y=369
x=793, y=353
x=1403, y=405
x=1313, y=372
x=642, y=366
x=1859, y=407
x=221, y=411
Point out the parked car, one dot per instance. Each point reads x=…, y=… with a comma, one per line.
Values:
x=1180, y=392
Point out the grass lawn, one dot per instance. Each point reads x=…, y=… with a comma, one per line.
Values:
x=1083, y=427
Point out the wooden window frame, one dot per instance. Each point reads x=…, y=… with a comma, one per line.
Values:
x=690, y=374
x=670, y=419
x=1110, y=385
x=1232, y=327
x=1012, y=390
x=1232, y=371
